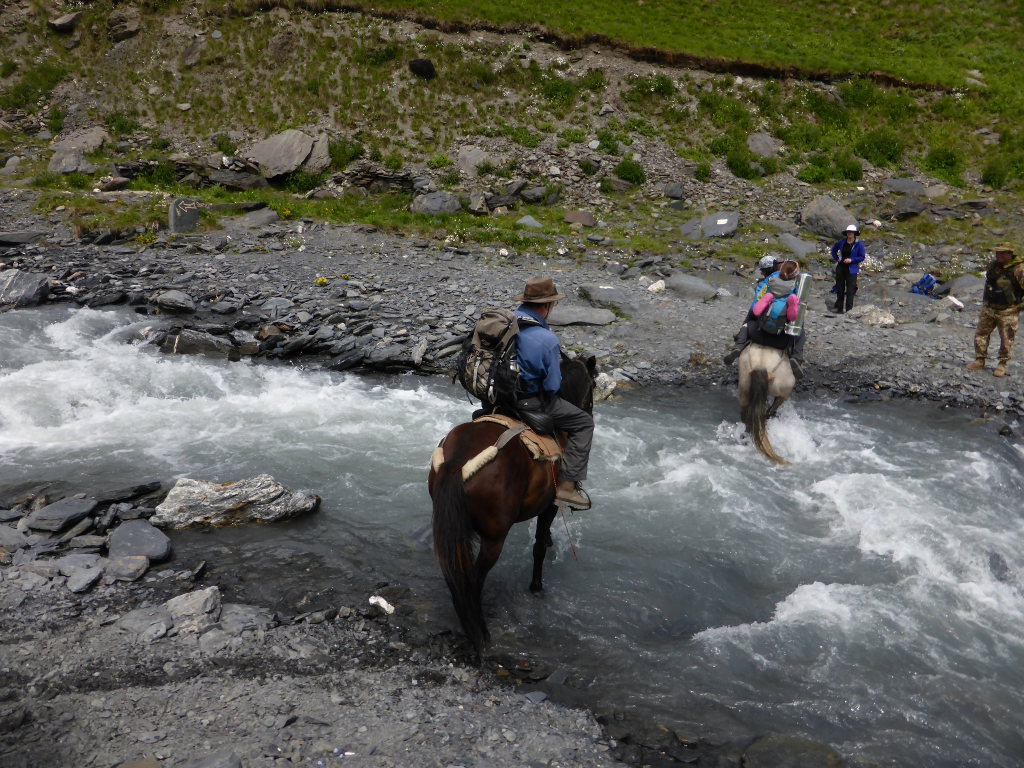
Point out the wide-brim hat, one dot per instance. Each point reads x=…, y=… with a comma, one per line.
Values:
x=1005, y=248
x=540, y=290
x=852, y=228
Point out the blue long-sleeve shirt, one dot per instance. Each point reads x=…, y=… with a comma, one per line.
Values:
x=539, y=355
x=857, y=254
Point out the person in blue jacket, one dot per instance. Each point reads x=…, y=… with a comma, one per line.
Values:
x=848, y=253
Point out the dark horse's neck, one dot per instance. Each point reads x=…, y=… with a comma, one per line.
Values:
x=578, y=382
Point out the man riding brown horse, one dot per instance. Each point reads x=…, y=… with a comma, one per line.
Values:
x=539, y=356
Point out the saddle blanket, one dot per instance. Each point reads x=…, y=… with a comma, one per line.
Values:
x=541, y=447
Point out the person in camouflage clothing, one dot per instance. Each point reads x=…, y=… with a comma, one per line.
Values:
x=1000, y=307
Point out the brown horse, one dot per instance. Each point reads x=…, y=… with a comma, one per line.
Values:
x=765, y=372
x=511, y=488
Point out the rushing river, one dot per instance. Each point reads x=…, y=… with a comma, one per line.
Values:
x=870, y=596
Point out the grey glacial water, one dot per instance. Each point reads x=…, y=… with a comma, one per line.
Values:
x=869, y=596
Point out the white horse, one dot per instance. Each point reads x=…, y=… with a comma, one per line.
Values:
x=764, y=372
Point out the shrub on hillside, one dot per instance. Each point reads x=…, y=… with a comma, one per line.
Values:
x=589, y=167
x=35, y=83
x=880, y=147
x=996, y=172
x=224, y=144
x=122, y=123
x=946, y=163
x=343, y=152
x=631, y=171
x=739, y=162
x=703, y=171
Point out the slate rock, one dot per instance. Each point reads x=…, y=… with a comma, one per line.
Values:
x=436, y=203
x=124, y=22
x=675, y=190
x=577, y=314
x=236, y=618
x=964, y=287
x=260, y=218
x=904, y=186
x=800, y=248
x=586, y=218
x=533, y=194
x=125, y=568
x=22, y=289
x=87, y=139
x=423, y=68
x=869, y=314
x=70, y=161
x=71, y=563
x=191, y=342
x=223, y=759
x=478, y=203
x=240, y=180
x=689, y=287
x=183, y=215
x=138, y=537
x=779, y=751
x=255, y=499
x=319, y=159
x=213, y=641
x=149, y=623
x=907, y=207
x=174, y=302
x=60, y=514
x=23, y=237
x=195, y=611
x=530, y=223
x=721, y=224
x=12, y=539
x=824, y=216
x=617, y=185
x=608, y=297
x=66, y=23
x=282, y=153
x=471, y=158
x=763, y=145
x=83, y=579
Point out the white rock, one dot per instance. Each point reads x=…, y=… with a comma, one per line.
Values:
x=658, y=286
x=195, y=611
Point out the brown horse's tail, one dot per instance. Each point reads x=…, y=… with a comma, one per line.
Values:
x=453, y=545
x=755, y=414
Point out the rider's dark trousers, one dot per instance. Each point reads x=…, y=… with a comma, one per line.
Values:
x=580, y=426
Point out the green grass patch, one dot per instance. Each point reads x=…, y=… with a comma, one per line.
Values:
x=631, y=171
x=35, y=83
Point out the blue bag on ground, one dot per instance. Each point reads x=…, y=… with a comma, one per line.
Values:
x=926, y=285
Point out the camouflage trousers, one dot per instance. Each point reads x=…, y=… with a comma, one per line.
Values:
x=1006, y=321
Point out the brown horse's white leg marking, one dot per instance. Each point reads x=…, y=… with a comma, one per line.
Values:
x=437, y=459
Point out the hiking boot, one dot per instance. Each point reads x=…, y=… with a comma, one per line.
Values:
x=730, y=358
x=977, y=365
x=798, y=368
x=572, y=495
x=1000, y=370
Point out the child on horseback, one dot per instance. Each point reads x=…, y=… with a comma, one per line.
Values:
x=539, y=358
x=777, y=284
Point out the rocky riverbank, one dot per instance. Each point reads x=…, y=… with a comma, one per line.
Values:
x=321, y=295
x=295, y=687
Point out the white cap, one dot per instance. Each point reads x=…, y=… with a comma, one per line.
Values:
x=766, y=262
x=852, y=228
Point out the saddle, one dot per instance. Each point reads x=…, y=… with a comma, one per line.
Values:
x=541, y=447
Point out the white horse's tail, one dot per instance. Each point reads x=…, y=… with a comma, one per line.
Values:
x=755, y=414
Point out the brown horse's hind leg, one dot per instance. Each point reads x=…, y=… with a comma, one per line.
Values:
x=776, y=404
x=490, y=551
x=540, y=547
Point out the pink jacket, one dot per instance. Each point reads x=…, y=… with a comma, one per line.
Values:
x=792, y=305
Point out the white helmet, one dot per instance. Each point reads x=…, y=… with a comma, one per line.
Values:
x=852, y=228
x=766, y=262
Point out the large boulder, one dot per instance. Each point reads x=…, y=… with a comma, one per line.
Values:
x=319, y=156
x=70, y=160
x=907, y=207
x=65, y=23
x=610, y=297
x=963, y=287
x=256, y=499
x=471, y=158
x=282, y=153
x=824, y=216
x=436, y=203
x=60, y=514
x=237, y=179
x=800, y=248
x=87, y=139
x=124, y=22
x=763, y=145
x=191, y=342
x=721, y=224
x=904, y=186
x=20, y=237
x=138, y=537
x=22, y=289
x=690, y=287
x=577, y=314
x=195, y=611
x=174, y=302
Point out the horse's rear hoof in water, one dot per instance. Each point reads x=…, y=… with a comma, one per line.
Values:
x=510, y=488
x=765, y=373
